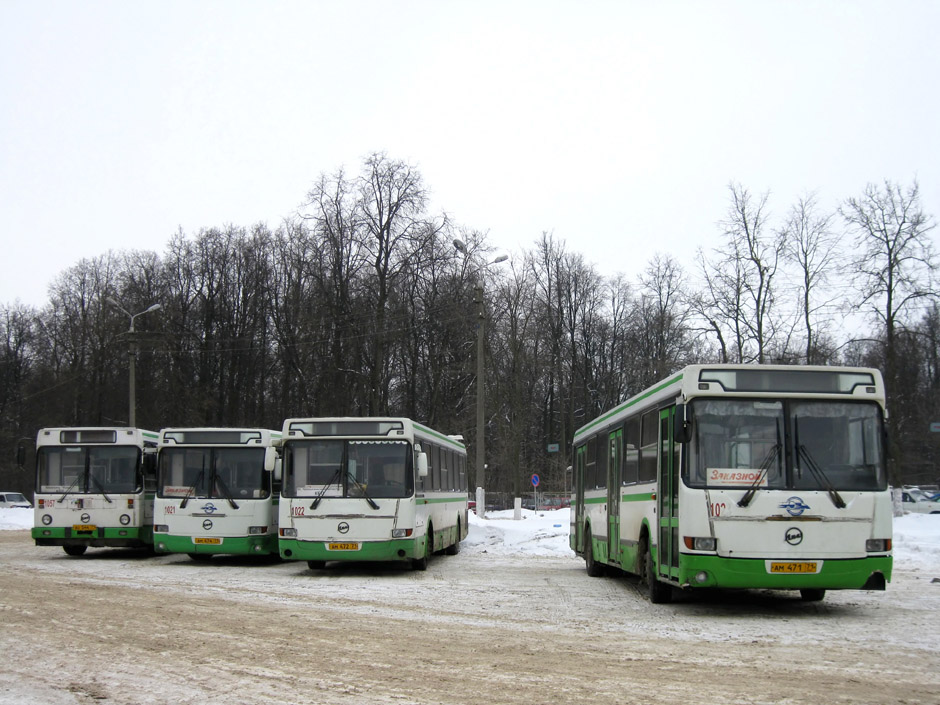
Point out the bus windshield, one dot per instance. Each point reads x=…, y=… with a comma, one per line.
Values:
x=348, y=468
x=89, y=470
x=785, y=444
x=213, y=473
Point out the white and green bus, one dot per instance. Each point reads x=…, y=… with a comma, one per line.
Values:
x=739, y=476
x=370, y=489
x=217, y=492
x=94, y=487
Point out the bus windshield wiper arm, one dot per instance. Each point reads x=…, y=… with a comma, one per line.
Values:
x=764, y=467
x=224, y=489
x=362, y=489
x=69, y=489
x=192, y=487
x=98, y=484
x=316, y=500
x=821, y=477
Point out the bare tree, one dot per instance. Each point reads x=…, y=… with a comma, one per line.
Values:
x=813, y=247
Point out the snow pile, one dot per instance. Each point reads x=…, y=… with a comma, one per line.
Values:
x=917, y=542
x=16, y=519
x=537, y=533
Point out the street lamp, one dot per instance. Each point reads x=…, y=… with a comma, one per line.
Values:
x=480, y=454
x=131, y=358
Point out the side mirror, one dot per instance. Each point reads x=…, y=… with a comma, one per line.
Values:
x=681, y=426
x=270, y=457
x=422, y=464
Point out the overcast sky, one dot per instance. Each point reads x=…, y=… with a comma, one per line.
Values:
x=615, y=125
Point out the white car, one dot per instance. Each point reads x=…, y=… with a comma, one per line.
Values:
x=919, y=502
x=14, y=499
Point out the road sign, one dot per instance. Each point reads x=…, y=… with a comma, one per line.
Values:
x=552, y=448
x=535, y=480
x=935, y=427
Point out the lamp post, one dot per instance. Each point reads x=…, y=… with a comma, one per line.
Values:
x=131, y=359
x=480, y=455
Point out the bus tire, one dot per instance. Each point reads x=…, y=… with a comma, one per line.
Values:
x=422, y=563
x=75, y=550
x=812, y=594
x=594, y=569
x=454, y=548
x=658, y=592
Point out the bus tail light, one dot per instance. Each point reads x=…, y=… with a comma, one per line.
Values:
x=130, y=502
x=878, y=545
x=288, y=533
x=700, y=543
x=161, y=528
x=401, y=533
x=256, y=530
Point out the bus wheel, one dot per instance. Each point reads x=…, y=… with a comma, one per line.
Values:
x=422, y=563
x=657, y=591
x=594, y=569
x=316, y=565
x=454, y=548
x=75, y=550
x=812, y=594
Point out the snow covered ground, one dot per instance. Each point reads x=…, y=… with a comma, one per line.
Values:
x=514, y=618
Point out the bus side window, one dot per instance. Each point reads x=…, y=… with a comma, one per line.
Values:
x=590, y=469
x=631, y=452
x=649, y=446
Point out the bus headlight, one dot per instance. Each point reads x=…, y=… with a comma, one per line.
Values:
x=161, y=528
x=700, y=543
x=401, y=533
x=878, y=545
x=256, y=530
x=46, y=519
x=288, y=533
x=125, y=519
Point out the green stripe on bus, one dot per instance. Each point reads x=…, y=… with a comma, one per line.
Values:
x=627, y=405
x=642, y=497
x=432, y=432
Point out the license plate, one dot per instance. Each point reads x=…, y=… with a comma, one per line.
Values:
x=343, y=547
x=207, y=541
x=789, y=568
x=84, y=527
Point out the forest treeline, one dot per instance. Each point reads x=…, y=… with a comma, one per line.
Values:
x=360, y=303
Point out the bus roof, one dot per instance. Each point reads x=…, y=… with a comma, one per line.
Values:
x=365, y=427
x=218, y=436
x=95, y=435
x=750, y=381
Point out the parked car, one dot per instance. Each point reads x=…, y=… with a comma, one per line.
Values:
x=14, y=499
x=916, y=501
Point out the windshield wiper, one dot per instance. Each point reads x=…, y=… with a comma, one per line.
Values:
x=821, y=477
x=99, y=486
x=328, y=485
x=192, y=487
x=764, y=468
x=225, y=491
x=362, y=489
x=69, y=489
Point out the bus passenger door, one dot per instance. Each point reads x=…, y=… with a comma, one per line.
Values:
x=614, y=446
x=578, y=533
x=667, y=497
